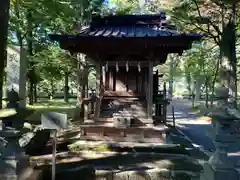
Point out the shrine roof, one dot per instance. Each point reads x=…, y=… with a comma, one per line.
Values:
x=128, y=26
x=129, y=34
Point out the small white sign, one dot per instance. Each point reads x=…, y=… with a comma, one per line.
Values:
x=54, y=120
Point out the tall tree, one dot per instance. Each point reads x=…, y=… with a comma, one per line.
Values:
x=30, y=21
x=124, y=6
x=216, y=19
x=200, y=66
x=4, y=16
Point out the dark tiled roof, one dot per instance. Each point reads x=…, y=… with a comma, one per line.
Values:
x=127, y=31
x=126, y=20
x=129, y=26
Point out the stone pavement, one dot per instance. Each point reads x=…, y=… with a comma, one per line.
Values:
x=194, y=129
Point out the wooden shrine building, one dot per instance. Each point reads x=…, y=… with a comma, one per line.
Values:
x=125, y=49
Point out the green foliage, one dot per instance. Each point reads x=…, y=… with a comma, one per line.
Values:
x=156, y=6
x=205, y=16
x=199, y=65
x=125, y=6
x=166, y=68
x=52, y=63
x=200, y=61
x=47, y=63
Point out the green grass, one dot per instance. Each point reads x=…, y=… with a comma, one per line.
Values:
x=196, y=109
x=55, y=105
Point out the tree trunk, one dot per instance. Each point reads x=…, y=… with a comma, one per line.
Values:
x=23, y=64
x=18, y=27
x=228, y=69
x=35, y=93
x=66, y=88
x=189, y=81
x=198, y=89
x=214, y=80
x=30, y=53
x=4, y=17
x=30, y=93
x=52, y=89
x=206, y=92
x=77, y=112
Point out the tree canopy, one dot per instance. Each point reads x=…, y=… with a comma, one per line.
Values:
x=31, y=21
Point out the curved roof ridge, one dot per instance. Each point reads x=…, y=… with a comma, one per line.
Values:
x=123, y=20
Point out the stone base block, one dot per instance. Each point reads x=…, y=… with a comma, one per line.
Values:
x=8, y=177
x=211, y=173
x=152, y=174
x=122, y=122
x=12, y=167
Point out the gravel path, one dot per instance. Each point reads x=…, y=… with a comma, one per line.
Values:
x=187, y=123
x=195, y=130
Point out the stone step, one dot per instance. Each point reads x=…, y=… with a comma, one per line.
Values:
x=140, y=121
x=108, y=173
x=132, y=105
x=129, y=111
x=91, y=144
x=122, y=104
x=116, y=146
x=111, y=115
x=123, y=139
x=154, y=165
x=123, y=108
x=125, y=111
x=132, y=134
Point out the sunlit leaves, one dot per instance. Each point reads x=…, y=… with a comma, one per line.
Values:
x=125, y=6
x=200, y=61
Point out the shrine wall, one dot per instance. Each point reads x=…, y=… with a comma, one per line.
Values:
x=122, y=80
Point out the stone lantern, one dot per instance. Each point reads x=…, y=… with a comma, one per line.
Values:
x=12, y=102
x=219, y=166
x=13, y=160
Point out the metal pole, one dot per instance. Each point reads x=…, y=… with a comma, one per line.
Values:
x=173, y=115
x=54, y=147
x=171, y=77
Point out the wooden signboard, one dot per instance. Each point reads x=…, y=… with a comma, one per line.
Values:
x=55, y=122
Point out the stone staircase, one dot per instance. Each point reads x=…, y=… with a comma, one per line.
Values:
x=123, y=108
x=118, y=166
x=123, y=119
x=140, y=134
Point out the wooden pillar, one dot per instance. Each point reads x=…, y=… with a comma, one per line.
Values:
x=103, y=77
x=78, y=110
x=98, y=90
x=85, y=92
x=150, y=92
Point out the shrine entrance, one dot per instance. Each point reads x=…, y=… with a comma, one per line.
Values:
x=125, y=49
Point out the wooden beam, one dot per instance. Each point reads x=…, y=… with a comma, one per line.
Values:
x=173, y=44
x=122, y=63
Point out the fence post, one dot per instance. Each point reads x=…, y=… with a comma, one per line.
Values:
x=173, y=116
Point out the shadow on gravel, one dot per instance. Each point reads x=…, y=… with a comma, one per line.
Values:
x=197, y=134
